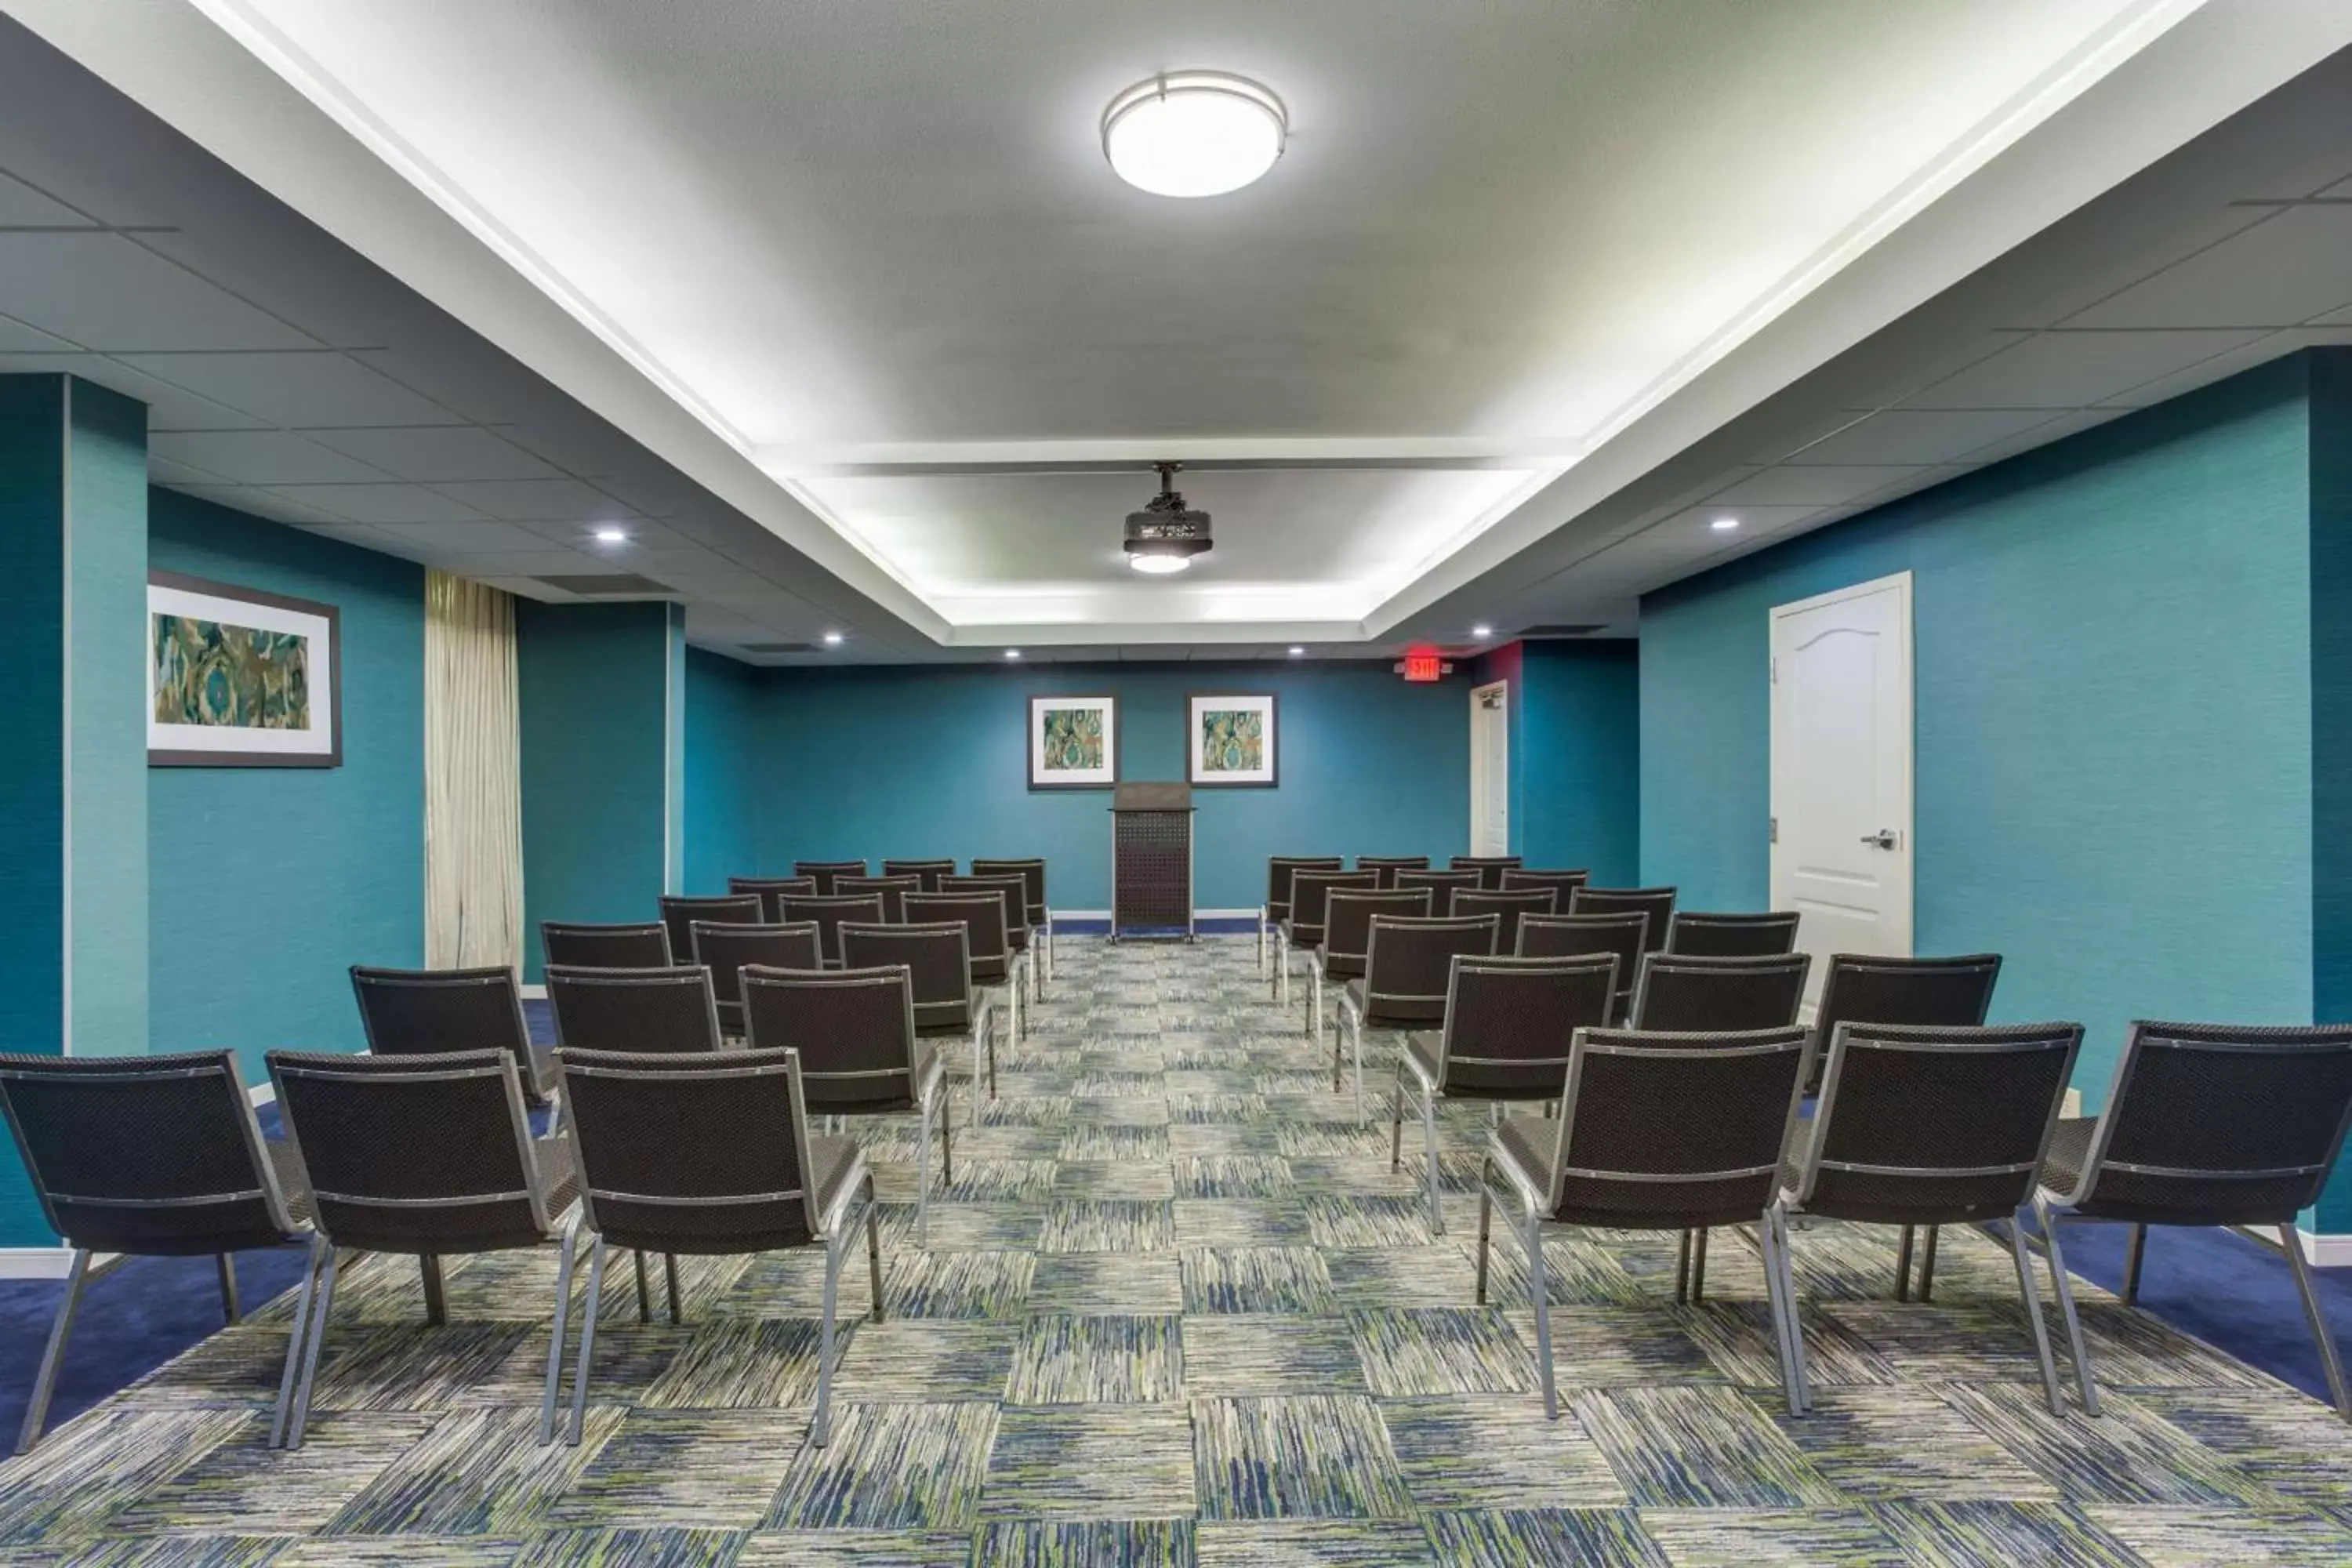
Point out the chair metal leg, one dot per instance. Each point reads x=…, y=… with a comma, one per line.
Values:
x=1013, y=1023
x=1261, y=943
x=1396, y=1116
x=2317, y=1316
x=296, y=1338
x=1698, y=1265
x=946, y=1139
x=1429, y=1140
x=436, y=1303
x=670, y=1268
x=231, y=1311
x=1281, y=969
x=645, y=1295
x=587, y=1342
x=1778, y=1308
x=2134, y=1252
x=986, y=1025
x=1796, y=1322
x=36, y=1411
x=820, y=1431
x=874, y=1248
x=1682, y=1268
x=2032, y=1298
x=1928, y=1264
x=324, y=1306
x=1903, y=1268
x=1531, y=1236
x=923, y=1177
x=555, y=1336
x=1485, y=1215
x=2055, y=1254
x=1357, y=1053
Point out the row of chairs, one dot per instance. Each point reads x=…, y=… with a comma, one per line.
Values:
x=1029, y=914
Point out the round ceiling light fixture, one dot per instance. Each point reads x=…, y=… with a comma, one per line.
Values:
x=1195, y=133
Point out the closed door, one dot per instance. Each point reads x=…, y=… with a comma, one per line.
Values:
x=1490, y=770
x=1840, y=825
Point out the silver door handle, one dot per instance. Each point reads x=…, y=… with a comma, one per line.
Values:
x=1883, y=839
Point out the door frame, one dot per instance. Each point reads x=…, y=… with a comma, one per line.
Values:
x=1502, y=704
x=1781, y=759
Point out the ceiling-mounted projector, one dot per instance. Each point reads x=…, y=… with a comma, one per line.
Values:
x=1165, y=535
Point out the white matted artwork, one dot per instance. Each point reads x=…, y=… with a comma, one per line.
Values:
x=1073, y=742
x=239, y=678
x=1233, y=741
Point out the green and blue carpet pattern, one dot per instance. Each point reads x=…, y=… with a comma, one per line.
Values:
x=1178, y=1310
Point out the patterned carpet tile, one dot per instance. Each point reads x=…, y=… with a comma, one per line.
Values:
x=1472, y=1452
x=890, y=1466
x=1699, y=1448
x=1081, y=1462
x=1290, y=1457
x=1096, y=1359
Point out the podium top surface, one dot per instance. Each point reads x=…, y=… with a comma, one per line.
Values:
x=1152, y=797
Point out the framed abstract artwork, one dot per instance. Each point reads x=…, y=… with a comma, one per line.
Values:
x=240, y=679
x=1233, y=741
x=1073, y=742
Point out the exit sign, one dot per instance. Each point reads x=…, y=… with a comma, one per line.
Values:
x=1423, y=666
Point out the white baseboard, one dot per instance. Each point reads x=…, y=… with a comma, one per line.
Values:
x=2333, y=1250
x=261, y=1094
x=534, y=993
x=35, y=1262
x=2073, y=1104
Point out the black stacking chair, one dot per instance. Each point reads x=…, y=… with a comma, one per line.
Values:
x=950, y=1010
x=1624, y=936
x=1041, y=914
x=891, y=891
x=1277, y=908
x=645, y=1010
x=829, y=911
x=1443, y=885
x=1509, y=1024
x=771, y=892
x=1934, y=1127
x=641, y=946
x=1654, y=1132
x=927, y=872
x=1386, y=866
x=988, y=958
x=678, y=914
x=1018, y=918
x=1310, y=894
x=1490, y=868
x=825, y=872
x=1509, y=905
x=147, y=1157
x=751, y=1177
x=413, y=1012
x=1408, y=968
x=1348, y=927
x=425, y=1158
x=1701, y=935
x=2205, y=1125
x=725, y=950
x=1518, y=877
x=1677, y=994
x=1658, y=903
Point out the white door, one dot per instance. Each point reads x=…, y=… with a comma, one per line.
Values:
x=1490, y=769
x=1841, y=823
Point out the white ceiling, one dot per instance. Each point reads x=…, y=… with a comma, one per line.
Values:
x=856, y=270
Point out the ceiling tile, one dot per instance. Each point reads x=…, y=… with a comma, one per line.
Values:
x=104, y=293
x=1903, y=435
x=23, y=207
x=2069, y=369
x=537, y=564
x=165, y=471
x=447, y=453
x=537, y=500
x=383, y=502
x=258, y=502
x=2069, y=424
x=1808, y=485
x=643, y=536
x=2279, y=273
x=259, y=457
x=300, y=391
x=2221, y=366
x=357, y=533
x=464, y=537
x=168, y=407
x=16, y=336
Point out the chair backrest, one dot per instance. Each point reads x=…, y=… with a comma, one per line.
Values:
x=1386, y=866
x=410, y=1012
x=645, y=1010
x=1031, y=870
x=1678, y=993
x=927, y=872
x=937, y=958
x=1518, y=877
x=644, y=945
x=725, y=948
x=1279, y=871
x=1509, y=1022
x=854, y=1028
x=824, y=872
x=144, y=1154
x=1732, y=936
x=1935, y=1126
x=892, y=890
x=1410, y=964
x=678, y=914
x=708, y=1155
x=1309, y=893
x=982, y=915
x=771, y=891
x=1511, y=904
x=409, y=1154
x=1562, y=936
x=1443, y=884
x=1015, y=891
x=1490, y=868
x=1658, y=903
x=1348, y=917
x=1674, y=1129
x=2221, y=1124
x=827, y=912
x=1927, y=993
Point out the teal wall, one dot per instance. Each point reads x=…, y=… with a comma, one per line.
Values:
x=2114, y=716
x=933, y=762
x=722, y=712
x=600, y=756
x=267, y=884
x=1575, y=757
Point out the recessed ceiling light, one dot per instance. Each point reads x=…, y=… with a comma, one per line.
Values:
x=833, y=639
x=1724, y=524
x=1297, y=653
x=608, y=534
x=1482, y=630
x=1193, y=133
x=1013, y=653
x=1158, y=565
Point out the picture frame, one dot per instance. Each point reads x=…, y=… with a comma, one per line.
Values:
x=238, y=678
x=1233, y=741
x=1073, y=742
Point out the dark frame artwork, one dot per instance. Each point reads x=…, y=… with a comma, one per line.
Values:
x=333, y=758
x=1192, y=771
x=1035, y=704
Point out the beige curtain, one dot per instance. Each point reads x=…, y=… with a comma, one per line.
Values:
x=473, y=776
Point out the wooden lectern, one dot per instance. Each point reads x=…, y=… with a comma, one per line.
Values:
x=1152, y=860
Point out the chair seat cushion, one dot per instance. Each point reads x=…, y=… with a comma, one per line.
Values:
x=829, y=1162
x=559, y=1173
x=293, y=1180
x=1422, y=1050
x=1341, y=965
x=2070, y=1151
x=1302, y=936
x=1529, y=1143
x=1352, y=994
